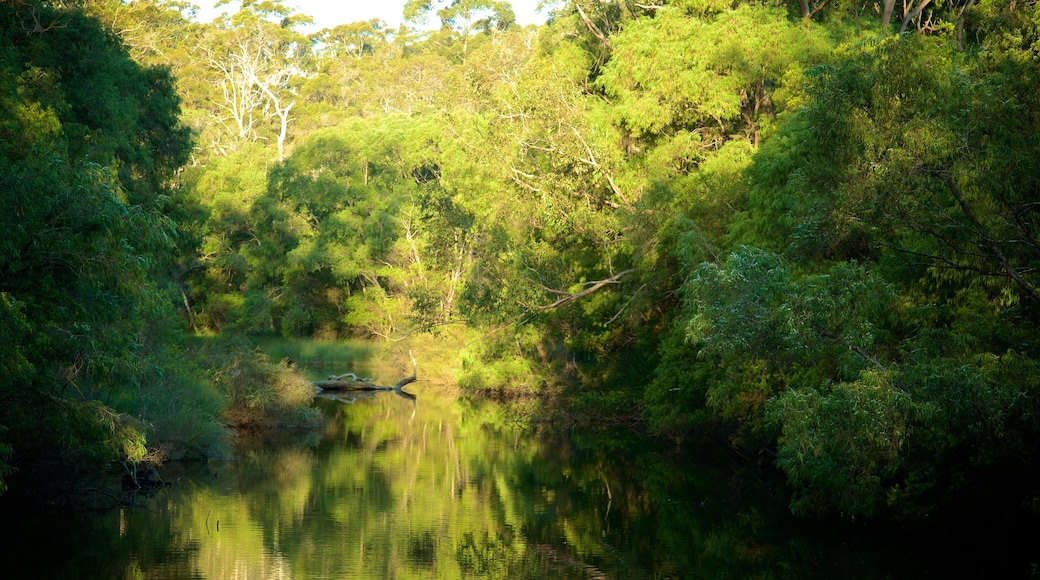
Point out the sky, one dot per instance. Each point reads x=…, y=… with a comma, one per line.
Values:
x=331, y=13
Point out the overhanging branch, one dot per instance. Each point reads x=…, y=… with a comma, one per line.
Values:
x=592, y=26
x=988, y=242
x=571, y=297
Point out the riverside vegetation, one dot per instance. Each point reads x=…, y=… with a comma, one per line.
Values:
x=807, y=229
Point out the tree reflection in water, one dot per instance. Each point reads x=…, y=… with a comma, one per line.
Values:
x=443, y=490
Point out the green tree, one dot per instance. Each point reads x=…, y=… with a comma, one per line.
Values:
x=890, y=390
x=90, y=145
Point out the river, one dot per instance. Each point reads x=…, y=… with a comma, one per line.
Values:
x=451, y=488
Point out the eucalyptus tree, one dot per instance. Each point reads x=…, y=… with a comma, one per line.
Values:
x=355, y=39
x=338, y=204
x=156, y=32
x=462, y=18
x=258, y=55
x=525, y=181
x=688, y=93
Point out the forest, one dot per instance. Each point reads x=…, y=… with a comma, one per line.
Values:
x=808, y=230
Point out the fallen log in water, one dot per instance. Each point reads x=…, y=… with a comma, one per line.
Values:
x=347, y=382
x=351, y=382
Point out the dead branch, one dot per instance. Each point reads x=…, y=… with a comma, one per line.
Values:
x=411, y=379
x=351, y=382
x=591, y=161
x=571, y=297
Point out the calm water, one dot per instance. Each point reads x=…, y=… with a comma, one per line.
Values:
x=394, y=488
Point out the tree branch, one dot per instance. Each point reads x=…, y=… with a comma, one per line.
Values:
x=989, y=243
x=568, y=298
x=816, y=10
x=592, y=26
x=914, y=14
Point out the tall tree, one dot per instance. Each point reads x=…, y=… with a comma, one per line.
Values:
x=258, y=55
x=886, y=170
x=90, y=144
x=462, y=17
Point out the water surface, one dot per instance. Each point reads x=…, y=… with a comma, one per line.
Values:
x=440, y=488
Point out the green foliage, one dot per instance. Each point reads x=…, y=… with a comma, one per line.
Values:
x=675, y=398
x=91, y=142
x=258, y=391
x=772, y=330
x=180, y=409
x=840, y=445
x=754, y=305
x=702, y=212
x=902, y=295
x=334, y=240
x=5, y=462
x=504, y=362
x=675, y=70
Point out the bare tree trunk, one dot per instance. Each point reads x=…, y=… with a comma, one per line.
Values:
x=281, y=111
x=187, y=308
x=886, y=15
x=592, y=26
x=959, y=24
